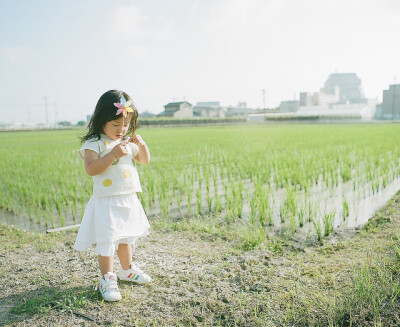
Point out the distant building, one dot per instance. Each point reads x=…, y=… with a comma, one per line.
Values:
x=341, y=95
x=318, y=98
x=209, y=109
x=146, y=114
x=289, y=106
x=391, y=102
x=306, y=99
x=240, y=110
x=363, y=111
x=177, y=110
x=378, y=111
x=349, y=85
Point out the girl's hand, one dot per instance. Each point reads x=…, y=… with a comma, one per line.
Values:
x=137, y=139
x=119, y=150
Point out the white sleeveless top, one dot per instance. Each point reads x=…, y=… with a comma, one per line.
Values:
x=121, y=177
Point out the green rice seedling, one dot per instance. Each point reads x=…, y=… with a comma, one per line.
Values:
x=164, y=207
x=82, y=204
x=189, y=202
x=31, y=212
x=218, y=204
x=198, y=201
x=215, y=178
x=231, y=206
x=58, y=208
x=73, y=211
x=150, y=199
x=377, y=185
x=239, y=199
x=384, y=181
x=293, y=224
x=318, y=229
x=301, y=215
x=178, y=201
x=52, y=220
x=269, y=215
x=38, y=215
x=209, y=199
x=253, y=210
x=282, y=212
x=328, y=220
x=143, y=200
x=345, y=208
x=262, y=208
x=15, y=207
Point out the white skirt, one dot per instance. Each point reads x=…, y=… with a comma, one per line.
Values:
x=110, y=220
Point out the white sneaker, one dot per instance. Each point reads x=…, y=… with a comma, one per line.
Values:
x=108, y=287
x=134, y=274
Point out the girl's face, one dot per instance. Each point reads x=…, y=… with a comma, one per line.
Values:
x=114, y=129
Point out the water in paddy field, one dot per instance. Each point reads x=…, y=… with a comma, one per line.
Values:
x=362, y=204
x=19, y=220
x=34, y=224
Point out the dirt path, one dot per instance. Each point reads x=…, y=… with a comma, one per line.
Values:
x=197, y=279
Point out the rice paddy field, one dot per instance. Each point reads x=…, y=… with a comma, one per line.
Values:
x=303, y=180
x=252, y=225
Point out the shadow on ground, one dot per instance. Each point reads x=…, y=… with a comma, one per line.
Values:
x=22, y=306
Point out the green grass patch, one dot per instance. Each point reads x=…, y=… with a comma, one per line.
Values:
x=51, y=298
x=12, y=237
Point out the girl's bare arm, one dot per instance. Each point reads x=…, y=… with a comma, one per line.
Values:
x=95, y=165
x=143, y=157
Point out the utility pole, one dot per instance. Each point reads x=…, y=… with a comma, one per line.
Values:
x=263, y=93
x=45, y=107
x=55, y=109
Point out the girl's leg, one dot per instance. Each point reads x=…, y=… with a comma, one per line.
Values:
x=125, y=255
x=106, y=264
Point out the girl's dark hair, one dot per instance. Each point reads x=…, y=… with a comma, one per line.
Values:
x=105, y=111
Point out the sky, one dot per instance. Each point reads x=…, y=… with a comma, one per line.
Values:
x=67, y=53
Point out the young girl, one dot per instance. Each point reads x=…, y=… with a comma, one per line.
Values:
x=114, y=217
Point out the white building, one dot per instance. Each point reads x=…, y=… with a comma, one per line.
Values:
x=209, y=109
x=289, y=106
x=363, y=111
x=178, y=110
x=391, y=102
x=341, y=95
